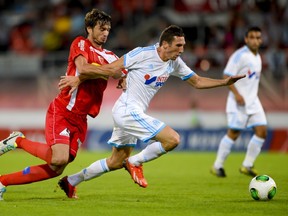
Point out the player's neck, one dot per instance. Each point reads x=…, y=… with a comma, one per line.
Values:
x=97, y=46
x=254, y=51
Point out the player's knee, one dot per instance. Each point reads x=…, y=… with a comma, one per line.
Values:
x=58, y=170
x=59, y=161
x=233, y=134
x=174, y=141
x=261, y=132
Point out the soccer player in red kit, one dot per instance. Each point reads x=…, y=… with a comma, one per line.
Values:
x=66, y=118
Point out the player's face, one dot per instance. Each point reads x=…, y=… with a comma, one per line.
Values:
x=175, y=49
x=99, y=34
x=253, y=41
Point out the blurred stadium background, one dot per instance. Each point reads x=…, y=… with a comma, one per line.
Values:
x=34, y=42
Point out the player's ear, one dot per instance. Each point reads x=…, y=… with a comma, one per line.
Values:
x=165, y=44
x=89, y=30
x=246, y=39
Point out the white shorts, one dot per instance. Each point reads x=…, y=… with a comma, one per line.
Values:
x=130, y=126
x=240, y=120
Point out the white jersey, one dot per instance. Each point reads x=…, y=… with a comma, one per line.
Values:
x=241, y=62
x=147, y=73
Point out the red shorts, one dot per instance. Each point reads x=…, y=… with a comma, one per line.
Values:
x=65, y=127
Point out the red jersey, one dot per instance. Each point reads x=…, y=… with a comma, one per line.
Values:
x=87, y=98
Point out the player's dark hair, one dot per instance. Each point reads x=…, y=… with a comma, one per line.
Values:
x=252, y=29
x=169, y=33
x=95, y=17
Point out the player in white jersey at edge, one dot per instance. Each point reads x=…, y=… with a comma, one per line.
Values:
x=243, y=108
x=148, y=69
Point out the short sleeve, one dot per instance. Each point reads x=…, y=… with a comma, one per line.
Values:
x=233, y=65
x=181, y=69
x=79, y=47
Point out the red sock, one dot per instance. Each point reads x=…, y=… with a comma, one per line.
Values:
x=40, y=150
x=28, y=175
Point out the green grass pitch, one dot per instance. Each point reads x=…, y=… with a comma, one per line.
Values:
x=179, y=184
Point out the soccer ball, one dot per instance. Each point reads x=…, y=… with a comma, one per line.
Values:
x=262, y=187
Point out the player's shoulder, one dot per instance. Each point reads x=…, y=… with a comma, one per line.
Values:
x=142, y=49
x=244, y=50
x=79, y=41
x=240, y=53
x=79, y=38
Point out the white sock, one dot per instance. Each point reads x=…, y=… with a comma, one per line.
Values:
x=253, y=150
x=151, y=152
x=96, y=169
x=224, y=150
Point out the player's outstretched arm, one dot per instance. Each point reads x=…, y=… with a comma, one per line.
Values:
x=232, y=79
x=200, y=82
x=90, y=71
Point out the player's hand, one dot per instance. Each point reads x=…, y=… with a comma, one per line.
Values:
x=240, y=100
x=232, y=79
x=122, y=83
x=69, y=81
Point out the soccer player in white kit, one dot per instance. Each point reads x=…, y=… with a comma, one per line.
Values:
x=148, y=69
x=243, y=108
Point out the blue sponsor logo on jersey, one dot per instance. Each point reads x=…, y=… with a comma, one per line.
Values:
x=150, y=80
x=251, y=74
x=159, y=81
